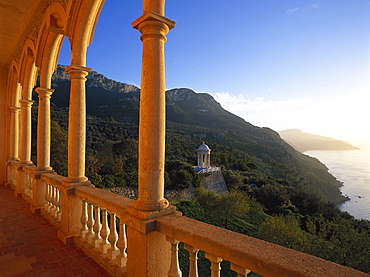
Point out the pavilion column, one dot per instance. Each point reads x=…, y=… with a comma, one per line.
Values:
x=14, y=133
x=77, y=124
x=43, y=129
x=153, y=26
x=25, y=132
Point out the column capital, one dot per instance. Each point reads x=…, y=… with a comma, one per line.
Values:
x=153, y=24
x=78, y=71
x=15, y=109
x=26, y=103
x=44, y=92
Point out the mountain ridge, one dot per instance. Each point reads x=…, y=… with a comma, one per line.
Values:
x=191, y=118
x=303, y=141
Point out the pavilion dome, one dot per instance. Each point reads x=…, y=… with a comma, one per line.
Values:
x=204, y=147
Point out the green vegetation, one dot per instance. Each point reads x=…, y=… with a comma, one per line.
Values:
x=277, y=194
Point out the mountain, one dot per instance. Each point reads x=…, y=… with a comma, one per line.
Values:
x=304, y=141
x=258, y=156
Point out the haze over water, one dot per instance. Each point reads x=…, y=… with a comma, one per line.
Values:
x=352, y=167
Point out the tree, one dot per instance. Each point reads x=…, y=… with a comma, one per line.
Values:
x=222, y=206
x=233, y=179
x=285, y=231
x=234, y=204
x=207, y=199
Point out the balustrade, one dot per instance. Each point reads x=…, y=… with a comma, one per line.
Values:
x=103, y=234
x=102, y=227
x=244, y=253
x=12, y=180
x=53, y=202
x=28, y=188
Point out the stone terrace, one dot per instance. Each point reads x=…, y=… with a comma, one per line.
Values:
x=29, y=245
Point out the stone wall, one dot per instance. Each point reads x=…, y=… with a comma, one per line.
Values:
x=215, y=181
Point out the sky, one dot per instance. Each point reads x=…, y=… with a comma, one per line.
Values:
x=280, y=64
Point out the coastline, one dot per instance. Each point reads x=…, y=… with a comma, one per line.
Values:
x=352, y=170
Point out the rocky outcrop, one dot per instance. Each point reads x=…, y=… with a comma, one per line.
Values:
x=94, y=79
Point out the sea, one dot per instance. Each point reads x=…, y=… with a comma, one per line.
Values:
x=352, y=167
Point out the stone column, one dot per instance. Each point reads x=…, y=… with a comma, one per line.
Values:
x=43, y=129
x=153, y=26
x=14, y=133
x=77, y=124
x=25, y=134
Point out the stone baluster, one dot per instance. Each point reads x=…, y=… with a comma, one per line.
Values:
x=59, y=204
x=241, y=271
x=113, y=251
x=193, y=260
x=121, y=259
x=52, y=196
x=90, y=222
x=30, y=184
x=97, y=226
x=47, y=192
x=83, y=219
x=104, y=244
x=56, y=202
x=215, y=264
x=175, y=266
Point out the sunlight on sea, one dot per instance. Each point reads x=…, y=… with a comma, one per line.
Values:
x=352, y=167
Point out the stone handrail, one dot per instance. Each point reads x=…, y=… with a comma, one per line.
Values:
x=246, y=253
x=109, y=200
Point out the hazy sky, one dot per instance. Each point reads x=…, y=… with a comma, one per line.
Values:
x=277, y=63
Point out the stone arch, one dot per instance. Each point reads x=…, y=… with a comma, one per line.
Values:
x=13, y=94
x=13, y=83
x=51, y=34
x=28, y=69
x=81, y=28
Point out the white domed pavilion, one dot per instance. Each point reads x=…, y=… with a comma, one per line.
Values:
x=204, y=160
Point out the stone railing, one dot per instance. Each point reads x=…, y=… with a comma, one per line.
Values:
x=96, y=221
x=244, y=253
x=12, y=175
x=51, y=185
x=103, y=232
x=28, y=182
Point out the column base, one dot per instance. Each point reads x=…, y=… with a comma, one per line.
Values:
x=82, y=179
x=150, y=215
x=35, y=210
x=66, y=239
x=25, y=163
x=146, y=205
x=43, y=169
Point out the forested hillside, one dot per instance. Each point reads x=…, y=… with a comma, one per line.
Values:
x=277, y=193
x=254, y=155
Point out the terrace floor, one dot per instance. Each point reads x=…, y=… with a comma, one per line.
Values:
x=29, y=245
